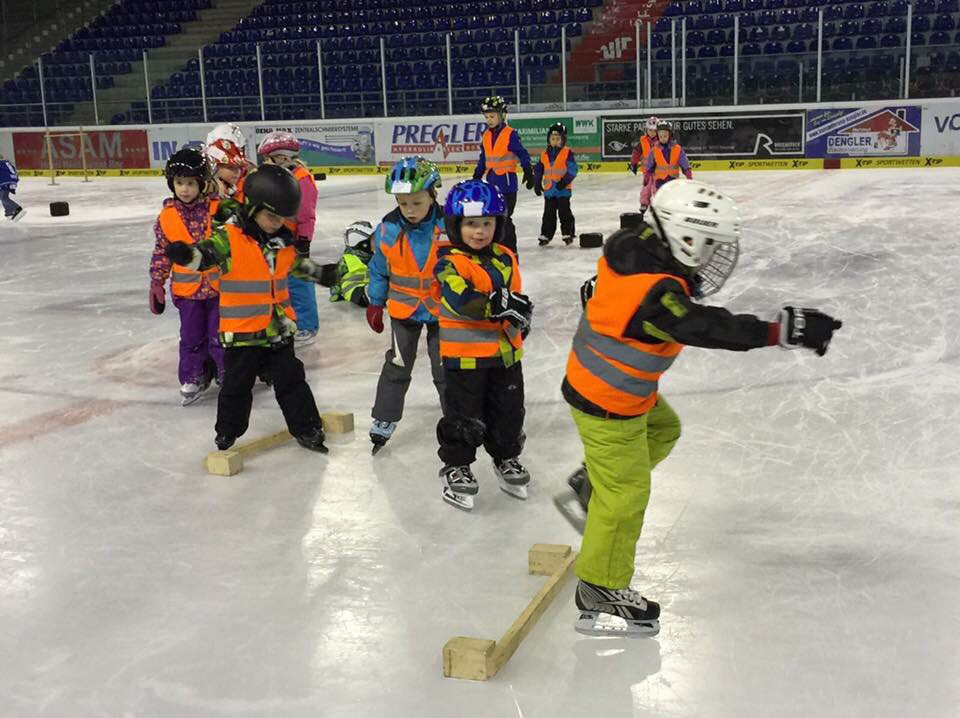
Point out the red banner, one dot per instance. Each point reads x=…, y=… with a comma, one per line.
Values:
x=106, y=149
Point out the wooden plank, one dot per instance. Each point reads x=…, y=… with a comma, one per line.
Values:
x=544, y=559
x=224, y=463
x=337, y=422
x=263, y=443
x=510, y=641
x=480, y=659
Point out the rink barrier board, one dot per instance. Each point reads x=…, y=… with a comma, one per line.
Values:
x=479, y=659
x=590, y=167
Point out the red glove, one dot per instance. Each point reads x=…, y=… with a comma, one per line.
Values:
x=375, y=318
x=158, y=301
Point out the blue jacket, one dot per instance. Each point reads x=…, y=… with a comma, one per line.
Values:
x=421, y=240
x=505, y=183
x=8, y=175
x=572, y=170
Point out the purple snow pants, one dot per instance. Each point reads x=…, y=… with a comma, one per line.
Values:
x=199, y=322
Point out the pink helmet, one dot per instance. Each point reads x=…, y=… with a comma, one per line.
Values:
x=652, y=122
x=279, y=142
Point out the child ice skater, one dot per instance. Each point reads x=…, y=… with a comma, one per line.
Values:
x=483, y=319
x=282, y=148
x=553, y=178
x=402, y=281
x=666, y=159
x=226, y=150
x=353, y=274
x=9, y=179
x=256, y=256
x=500, y=152
x=186, y=218
x=639, y=157
x=637, y=318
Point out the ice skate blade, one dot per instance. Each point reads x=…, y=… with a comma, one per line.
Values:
x=192, y=399
x=18, y=216
x=458, y=501
x=514, y=490
x=587, y=626
x=569, y=507
x=376, y=448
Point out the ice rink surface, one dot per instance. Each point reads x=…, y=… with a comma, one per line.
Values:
x=803, y=538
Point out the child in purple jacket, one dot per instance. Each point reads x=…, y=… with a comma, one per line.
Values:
x=186, y=217
x=666, y=159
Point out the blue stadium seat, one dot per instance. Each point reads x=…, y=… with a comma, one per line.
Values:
x=724, y=20
x=890, y=40
x=707, y=51
x=773, y=48
x=918, y=38
x=871, y=26
x=947, y=6
x=853, y=11
x=878, y=8
x=924, y=7
x=944, y=22
x=750, y=48
x=842, y=43
x=866, y=42
x=939, y=38
x=779, y=32
x=796, y=46
x=833, y=12
x=896, y=24
x=849, y=28
x=703, y=22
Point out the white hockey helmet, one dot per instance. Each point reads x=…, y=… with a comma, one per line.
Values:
x=701, y=226
x=357, y=233
x=230, y=132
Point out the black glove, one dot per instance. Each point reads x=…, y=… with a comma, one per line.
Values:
x=302, y=245
x=329, y=275
x=538, y=189
x=478, y=174
x=562, y=184
x=586, y=290
x=513, y=307
x=808, y=328
x=632, y=167
x=359, y=297
x=179, y=252
x=527, y=178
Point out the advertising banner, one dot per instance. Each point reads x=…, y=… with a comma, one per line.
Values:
x=102, y=149
x=714, y=136
x=441, y=141
x=583, y=135
x=864, y=132
x=343, y=145
x=940, y=129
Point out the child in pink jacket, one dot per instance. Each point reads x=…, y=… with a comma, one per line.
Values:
x=282, y=148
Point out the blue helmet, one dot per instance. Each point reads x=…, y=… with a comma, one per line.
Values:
x=473, y=198
x=411, y=175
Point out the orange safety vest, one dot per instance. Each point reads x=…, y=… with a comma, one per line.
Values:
x=556, y=171
x=409, y=285
x=499, y=159
x=463, y=337
x=663, y=168
x=615, y=372
x=646, y=144
x=185, y=282
x=250, y=291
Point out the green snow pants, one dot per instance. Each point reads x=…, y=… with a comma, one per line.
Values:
x=620, y=453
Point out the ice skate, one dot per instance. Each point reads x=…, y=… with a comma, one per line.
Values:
x=459, y=486
x=380, y=433
x=573, y=503
x=567, y=239
x=513, y=477
x=313, y=440
x=224, y=442
x=191, y=392
x=544, y=241
x=18, y=215
x=304, y=337
x=638, y=617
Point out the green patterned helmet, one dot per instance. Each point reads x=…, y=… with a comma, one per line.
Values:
x=412, y=174
x=494, y=103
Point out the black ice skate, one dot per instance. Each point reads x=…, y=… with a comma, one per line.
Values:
x=17, y=214
x=513, y=477
x=224, y=442
x=567, y=239
x=544, y=241
x=380, y=433
x=313, y=440
x=459, y=486
x=640, y=616
x=573, y=503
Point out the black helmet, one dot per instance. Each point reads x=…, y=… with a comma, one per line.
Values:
x=561, y=130
x=188, y=162
x=274, y=188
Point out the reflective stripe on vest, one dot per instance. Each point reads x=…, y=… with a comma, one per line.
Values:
x=250, y=291
x=462, y=336
x=663, y=168
x=410, y=286
x=614, y=372
x=499, y=159
x=556, y=171
x=185, y=282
